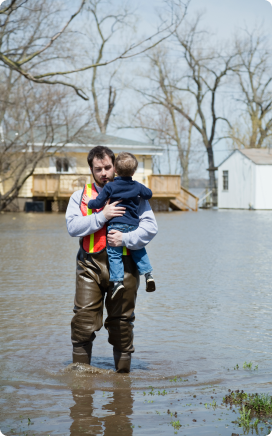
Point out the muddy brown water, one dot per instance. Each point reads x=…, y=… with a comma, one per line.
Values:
x=212, y=311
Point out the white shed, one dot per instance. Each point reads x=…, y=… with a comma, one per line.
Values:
x=245, y=180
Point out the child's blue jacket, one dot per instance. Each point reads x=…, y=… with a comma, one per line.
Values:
x=127, y=190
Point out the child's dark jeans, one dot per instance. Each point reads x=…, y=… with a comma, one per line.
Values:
x=140, y=257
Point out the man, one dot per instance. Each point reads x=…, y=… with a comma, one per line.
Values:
x=92, y=274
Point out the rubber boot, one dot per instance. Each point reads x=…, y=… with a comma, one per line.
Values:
x=122, y=361
x=82, y=352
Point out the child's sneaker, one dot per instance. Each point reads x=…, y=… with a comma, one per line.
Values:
x=150, y=283
x=116, y=291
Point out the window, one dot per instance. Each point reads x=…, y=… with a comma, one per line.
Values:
x=65, y=165
x=58, y=165
x=62, y=165
x=225, y=180
x=140, y=168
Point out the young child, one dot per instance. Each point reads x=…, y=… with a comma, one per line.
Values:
x=129, y=191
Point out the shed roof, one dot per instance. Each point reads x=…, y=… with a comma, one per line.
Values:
x=260, y=156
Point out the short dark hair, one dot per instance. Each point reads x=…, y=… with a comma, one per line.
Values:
x=99, y=152
x=126, y=164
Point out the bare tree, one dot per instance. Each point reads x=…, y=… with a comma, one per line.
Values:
x=158, y=112
x=37, y=124
x=255, y=84
x=29, y=41
x=108, y=24
x=205, y=70
x=33, y=51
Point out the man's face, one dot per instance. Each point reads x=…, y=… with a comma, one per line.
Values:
x=103, y=171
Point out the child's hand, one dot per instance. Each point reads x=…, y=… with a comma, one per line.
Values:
x=85, y=199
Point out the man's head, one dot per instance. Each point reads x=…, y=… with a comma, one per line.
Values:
x=101, y=162
x=125, y=164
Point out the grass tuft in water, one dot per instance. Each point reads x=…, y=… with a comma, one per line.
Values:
x=260, y=404
x=251, y=406
x=176, y=379
x=247, y=365
x=176, y=424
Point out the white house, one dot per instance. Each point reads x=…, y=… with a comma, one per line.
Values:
x=245, y=180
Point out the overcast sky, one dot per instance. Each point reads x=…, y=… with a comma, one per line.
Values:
x=221, y=16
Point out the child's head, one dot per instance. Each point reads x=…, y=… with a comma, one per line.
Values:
x=125, y=164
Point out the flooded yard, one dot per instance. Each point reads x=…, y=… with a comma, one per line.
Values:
x=206, y=330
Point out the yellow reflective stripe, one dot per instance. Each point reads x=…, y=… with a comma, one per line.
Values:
x=91, y=249
x=124, y=251
x=89, y=212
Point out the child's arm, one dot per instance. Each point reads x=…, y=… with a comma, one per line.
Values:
x=145, y=192
x=100, y=199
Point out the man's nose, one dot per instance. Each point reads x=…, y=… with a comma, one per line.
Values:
x=103, y=172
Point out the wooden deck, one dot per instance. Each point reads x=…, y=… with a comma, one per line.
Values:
x=166, y=189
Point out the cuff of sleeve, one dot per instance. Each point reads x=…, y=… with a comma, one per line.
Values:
x=125, y=239
x=101, y=219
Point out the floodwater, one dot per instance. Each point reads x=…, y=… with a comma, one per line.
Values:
x=211, y=312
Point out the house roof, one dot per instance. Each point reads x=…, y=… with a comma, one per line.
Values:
x=119, y=144
x=83, y=141
x=260, y=156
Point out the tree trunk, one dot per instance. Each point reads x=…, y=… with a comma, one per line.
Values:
x=185, y=176
x=212, y=180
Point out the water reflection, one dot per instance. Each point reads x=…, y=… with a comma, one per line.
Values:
x=101, y=413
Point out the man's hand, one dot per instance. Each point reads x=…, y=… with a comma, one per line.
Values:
x=111, y=211
x=114, y=238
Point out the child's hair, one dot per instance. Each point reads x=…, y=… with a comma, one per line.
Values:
x=125, y=164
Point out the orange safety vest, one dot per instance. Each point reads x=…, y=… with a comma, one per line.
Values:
x=96, y=241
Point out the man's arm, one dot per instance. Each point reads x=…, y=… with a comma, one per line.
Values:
x=79, y=225
x=146, y=231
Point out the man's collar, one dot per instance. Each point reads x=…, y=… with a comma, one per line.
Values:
x=98, y=188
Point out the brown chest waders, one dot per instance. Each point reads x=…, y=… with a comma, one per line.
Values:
x=92, y=286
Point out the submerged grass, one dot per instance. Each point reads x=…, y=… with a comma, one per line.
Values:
x=252, y=406
x=260, y=404
x=178, y=379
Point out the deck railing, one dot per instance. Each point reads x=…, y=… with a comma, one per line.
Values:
x=188, y=198
x=169, y=187
x=164, y=185
x=58, y=185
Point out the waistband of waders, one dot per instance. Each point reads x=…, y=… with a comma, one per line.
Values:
x=89, y=256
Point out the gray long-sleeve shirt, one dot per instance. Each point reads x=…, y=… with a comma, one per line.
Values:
x=79, y=225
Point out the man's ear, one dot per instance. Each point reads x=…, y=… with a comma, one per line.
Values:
x=91, y=170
